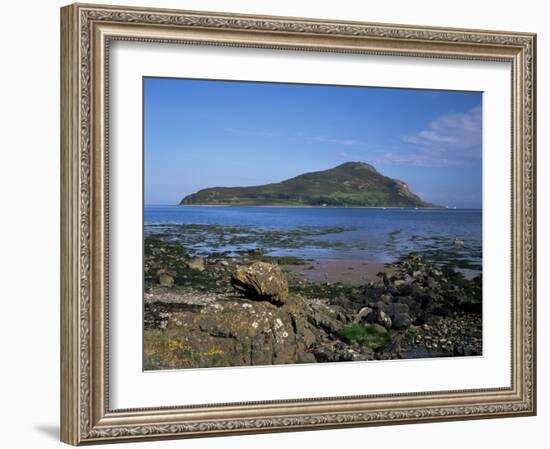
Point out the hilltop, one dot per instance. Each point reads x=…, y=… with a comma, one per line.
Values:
x=352, y=184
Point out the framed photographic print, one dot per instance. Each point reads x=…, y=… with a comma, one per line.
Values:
x=280, y=224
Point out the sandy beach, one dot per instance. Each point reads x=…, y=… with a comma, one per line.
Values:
x=347, y=271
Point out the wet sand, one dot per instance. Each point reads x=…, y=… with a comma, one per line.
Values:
x=353, y=272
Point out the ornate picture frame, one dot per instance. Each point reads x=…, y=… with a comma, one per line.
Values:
x=87, y=32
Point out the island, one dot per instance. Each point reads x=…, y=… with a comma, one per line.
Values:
x=351, y=184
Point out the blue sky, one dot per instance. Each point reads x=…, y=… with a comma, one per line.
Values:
x=200, y=134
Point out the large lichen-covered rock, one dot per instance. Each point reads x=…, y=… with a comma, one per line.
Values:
x=261, y=280
x=236, y=333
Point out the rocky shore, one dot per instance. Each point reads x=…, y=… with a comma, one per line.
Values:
x=251, y=309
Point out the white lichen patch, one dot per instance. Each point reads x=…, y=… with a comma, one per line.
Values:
x=215, y=307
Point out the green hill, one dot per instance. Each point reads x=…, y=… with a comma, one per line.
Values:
x=353, y=184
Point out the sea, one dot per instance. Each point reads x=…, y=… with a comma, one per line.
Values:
x=447, y=237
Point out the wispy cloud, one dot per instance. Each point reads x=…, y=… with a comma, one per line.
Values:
x=448, y=141
x=459, y=131
x=452, y=139
x=334, y=141
x=264, y=133
x=417, y=159
x=270, y=134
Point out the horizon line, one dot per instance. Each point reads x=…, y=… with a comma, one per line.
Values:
x=308, y=207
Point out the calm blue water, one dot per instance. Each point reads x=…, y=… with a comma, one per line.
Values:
x=369, y=234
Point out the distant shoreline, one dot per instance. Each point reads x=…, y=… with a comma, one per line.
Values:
x=292, y=206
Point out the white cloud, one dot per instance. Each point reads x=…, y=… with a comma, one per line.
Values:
x=449, y=141
x=418, y=159
x=452, y=139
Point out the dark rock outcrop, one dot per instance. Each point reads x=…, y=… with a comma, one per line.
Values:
x=417, y=293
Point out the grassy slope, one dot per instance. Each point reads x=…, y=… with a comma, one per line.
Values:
x=349, y=184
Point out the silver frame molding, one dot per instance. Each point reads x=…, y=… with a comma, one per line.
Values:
x=86, y=32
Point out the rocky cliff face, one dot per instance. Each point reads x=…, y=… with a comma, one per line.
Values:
x=350, y=184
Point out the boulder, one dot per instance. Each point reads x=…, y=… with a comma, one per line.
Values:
x=166, y=277
x=261, y=280
x=382, y=318
x=196, y=263
x=381, y=305
x=166, y=280
x=415, y=307
x=397, y=308
x=363, y=313
x=401, y=321
x=327, y=318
